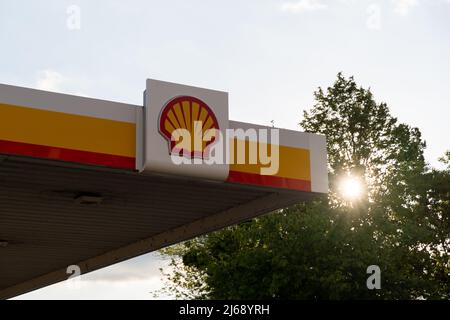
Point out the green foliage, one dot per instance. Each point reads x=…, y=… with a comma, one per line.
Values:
x=363, y=139
x=321, y=250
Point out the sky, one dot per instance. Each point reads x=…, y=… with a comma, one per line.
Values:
x=270, y=55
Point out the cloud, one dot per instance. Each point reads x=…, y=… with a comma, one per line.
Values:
x=303, y=6
x=120, y=277
x=373, y=21
x=402, y=7
x=347, y=2
x=50, y=80
x=144, y=268
x=137, y=279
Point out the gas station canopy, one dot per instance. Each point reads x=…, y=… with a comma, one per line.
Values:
x=92, y=183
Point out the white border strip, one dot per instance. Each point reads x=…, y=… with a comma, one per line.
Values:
x=57, y=102
x=318, y=160
x=288, y=138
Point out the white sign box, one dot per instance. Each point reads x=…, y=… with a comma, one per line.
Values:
x=174, y=112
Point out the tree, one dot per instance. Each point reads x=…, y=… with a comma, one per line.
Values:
x=321, y=250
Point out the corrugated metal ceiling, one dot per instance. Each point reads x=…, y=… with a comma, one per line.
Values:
x=46, y=229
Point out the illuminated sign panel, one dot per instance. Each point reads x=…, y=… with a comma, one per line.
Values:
x=180, y=130
x=179, y=123
x=185, y=131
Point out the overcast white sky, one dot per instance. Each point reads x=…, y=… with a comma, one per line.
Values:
x=270, y=55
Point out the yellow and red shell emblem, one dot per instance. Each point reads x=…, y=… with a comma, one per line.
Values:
x=194, y=116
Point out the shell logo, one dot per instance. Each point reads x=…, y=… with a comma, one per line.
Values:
x=189, y=126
